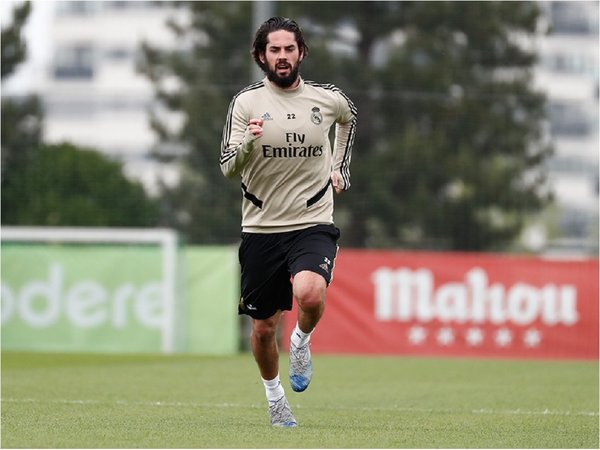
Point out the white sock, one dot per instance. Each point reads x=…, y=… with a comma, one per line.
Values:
x=299, y=337
x=273, y=389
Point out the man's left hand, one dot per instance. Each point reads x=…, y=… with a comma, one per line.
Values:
x=335, y=181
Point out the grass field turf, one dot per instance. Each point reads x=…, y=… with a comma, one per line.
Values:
x=140, y=401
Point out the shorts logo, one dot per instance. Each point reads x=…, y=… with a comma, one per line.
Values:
x=246, y=307
x=325, y=265
x=316, y=116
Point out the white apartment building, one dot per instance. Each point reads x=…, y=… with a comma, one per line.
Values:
x=568, y=73
x=95, y=97
x=93, y=94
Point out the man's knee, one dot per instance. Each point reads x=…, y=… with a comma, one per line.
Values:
x=264, y=330
x=309, y=290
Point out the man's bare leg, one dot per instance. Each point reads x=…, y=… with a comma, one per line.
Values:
x=266, y=353
x=309, y=292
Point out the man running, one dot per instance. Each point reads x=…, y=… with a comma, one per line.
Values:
x=276, y=138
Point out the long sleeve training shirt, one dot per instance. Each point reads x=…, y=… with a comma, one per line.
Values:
x=286, y=173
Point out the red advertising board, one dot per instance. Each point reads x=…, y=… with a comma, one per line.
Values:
x=457, y=304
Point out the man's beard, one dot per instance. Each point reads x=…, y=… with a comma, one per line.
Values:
x=283, y=82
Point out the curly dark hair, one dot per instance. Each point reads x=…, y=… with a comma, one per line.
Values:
x=274, y=24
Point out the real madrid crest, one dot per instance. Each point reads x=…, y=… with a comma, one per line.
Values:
x=316, y=116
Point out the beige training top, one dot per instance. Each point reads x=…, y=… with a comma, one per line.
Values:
x=286, y=173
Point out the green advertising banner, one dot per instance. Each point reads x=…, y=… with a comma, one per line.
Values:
x=212, y=294
x=110, y=298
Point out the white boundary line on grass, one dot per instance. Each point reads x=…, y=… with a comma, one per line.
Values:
x=545, y=412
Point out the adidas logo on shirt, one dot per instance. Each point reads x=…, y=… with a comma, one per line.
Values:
x=266, y=116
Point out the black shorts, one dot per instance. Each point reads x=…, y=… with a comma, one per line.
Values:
x=270, y=260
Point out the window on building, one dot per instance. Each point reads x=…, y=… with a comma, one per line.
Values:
x=566, y=164
x=135, y=4
x=119, y=4
x=569, y=119
x=74, y=62
x=574, y=17
x=576, y=223
x=583, y=63
x=119, y=54
x=72, y=8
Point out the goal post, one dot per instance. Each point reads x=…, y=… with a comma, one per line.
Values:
x=165, y=239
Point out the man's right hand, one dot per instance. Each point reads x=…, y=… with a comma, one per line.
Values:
x=255, y=127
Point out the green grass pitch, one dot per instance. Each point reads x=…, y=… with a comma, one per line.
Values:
x=150, y=401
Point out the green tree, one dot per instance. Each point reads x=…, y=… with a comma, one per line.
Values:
x=57, y=184
x=22, y=118
x=14, y=47
x=211, y=65
x=449, y=146
x=66, y=185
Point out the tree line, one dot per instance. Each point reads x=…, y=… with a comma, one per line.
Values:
x=450, y=144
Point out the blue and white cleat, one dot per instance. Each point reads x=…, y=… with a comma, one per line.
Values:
x=300, y=367
x=281, y=414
